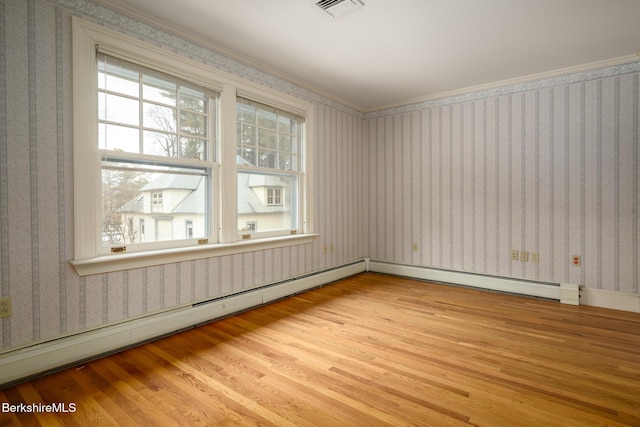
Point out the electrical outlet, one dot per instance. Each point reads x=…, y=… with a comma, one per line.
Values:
x=414, y=247
x=515, y=255
x=534, y=257
x=576, y=260
x=524, y=256
x=5, y=307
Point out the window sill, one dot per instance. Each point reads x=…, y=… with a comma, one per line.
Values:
x=121, y=262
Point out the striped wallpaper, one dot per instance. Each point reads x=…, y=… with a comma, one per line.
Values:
x=36, y=190
x=552, y=170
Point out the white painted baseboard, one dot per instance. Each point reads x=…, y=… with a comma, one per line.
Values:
x=43, y=357
x=608, y=299
x=566, y=293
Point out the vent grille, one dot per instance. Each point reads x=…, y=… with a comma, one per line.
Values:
x=336, y=8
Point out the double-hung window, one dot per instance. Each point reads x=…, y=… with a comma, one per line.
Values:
x=270, y=173
x=156, y=138
x=175, y=160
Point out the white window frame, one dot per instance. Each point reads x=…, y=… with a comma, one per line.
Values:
x=87, y=179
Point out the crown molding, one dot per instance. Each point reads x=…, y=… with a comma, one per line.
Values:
x=126, y=19
x=117, y=15
x=592, y=71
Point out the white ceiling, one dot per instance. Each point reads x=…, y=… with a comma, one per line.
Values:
x=391, y=51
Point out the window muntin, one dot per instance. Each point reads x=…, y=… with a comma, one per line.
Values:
x=156, y=140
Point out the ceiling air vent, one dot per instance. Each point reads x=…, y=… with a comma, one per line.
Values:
x=337, y=8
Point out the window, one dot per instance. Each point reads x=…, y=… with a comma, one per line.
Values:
x=156, y=202
x=269, y=170
x=171, y=154
x=274, y=196
x=156, y=138
x=141, y=229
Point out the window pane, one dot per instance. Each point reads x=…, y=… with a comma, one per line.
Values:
x=159, y=90
x=116, y=78
x=113, y=137
x=267, y=200
x=139, y=206
x=267, y=139
x=285, y=124
x=161, y=144
x=118, y=109
x=267, y=159
x=247, y=135
x=246, y=114
x=286, y=161
x=246, y=151
x=193, y=148
x=158, y=117
x=267, y=119
x=193, y=100
x=193, y=123
x=285, y=143
x=119, y=84
x=246, y=156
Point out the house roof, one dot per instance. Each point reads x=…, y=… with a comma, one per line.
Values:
x=134, y=205
x=248, y=200
x=194, y=201
x=166, y=181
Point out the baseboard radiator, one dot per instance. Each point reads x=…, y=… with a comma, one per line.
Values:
x=38, y=359
x=566, y=293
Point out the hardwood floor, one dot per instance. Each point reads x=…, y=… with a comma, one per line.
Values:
x=371, y=350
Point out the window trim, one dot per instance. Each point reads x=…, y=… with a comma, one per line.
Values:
x=86, y=37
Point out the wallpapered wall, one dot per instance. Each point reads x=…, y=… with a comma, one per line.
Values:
x=36, y=189
x=548, y=167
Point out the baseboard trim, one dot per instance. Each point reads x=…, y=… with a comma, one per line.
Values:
x=566, y=293
x=612, y=300
x=42, y=358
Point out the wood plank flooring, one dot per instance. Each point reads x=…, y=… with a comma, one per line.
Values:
x=371, y=350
